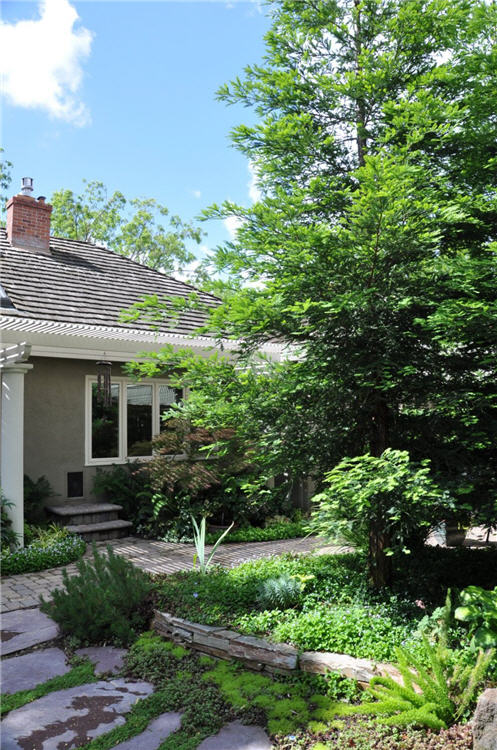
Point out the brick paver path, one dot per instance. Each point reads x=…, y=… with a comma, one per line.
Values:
x=22, y=591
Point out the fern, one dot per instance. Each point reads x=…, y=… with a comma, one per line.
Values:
x=444, y=691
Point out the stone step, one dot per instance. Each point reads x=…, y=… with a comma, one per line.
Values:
x=84, y=513
x=96, y=532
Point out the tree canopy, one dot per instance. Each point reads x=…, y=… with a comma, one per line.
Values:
x=140, y=228
x=372, y=251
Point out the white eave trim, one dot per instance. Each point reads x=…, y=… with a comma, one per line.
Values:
x=109, y=334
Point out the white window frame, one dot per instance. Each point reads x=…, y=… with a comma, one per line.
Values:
x=122, y=458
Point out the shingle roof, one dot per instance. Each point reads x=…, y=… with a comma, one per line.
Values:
x=83, y=283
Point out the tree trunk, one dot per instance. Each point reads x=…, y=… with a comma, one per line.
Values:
x=380, y=565
x=360, y=104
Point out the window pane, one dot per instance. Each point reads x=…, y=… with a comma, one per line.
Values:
x=139, y=420
x=167, y=397
x=105, y=425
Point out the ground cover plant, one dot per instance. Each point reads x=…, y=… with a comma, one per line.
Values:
x=105, y=602
x=279, y=530
x=45, y=548
x=336, y=610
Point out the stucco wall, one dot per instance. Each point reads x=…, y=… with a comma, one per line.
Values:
x=54, y=421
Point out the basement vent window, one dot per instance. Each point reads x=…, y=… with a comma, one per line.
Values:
x=75, y=484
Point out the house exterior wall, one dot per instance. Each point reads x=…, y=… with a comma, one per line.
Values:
x=54, y=421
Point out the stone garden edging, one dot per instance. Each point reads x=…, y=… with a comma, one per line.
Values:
x=260, y=654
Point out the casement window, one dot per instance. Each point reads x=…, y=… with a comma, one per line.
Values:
x=124, y=429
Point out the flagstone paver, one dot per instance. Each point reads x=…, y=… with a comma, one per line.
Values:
x=107, y=659
x=71, y=718
x=23, y=590
x=156, y=732
x=237, y=736
x=24, y=628
x=29, y=670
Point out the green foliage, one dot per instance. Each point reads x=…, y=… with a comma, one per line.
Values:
x=377, y=504
x=48, y=548
x=283, y=530
x=371, y=252
x=78, y=675
x=129, y=485
x=280, y=593
x=479, y=608
x=105, y=602
x=132, y=227
x=364, y=735
x=446, y=689
x=8, y=537
x=35, y=495
x=199, y=541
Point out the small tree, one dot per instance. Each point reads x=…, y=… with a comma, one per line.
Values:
x=379, y=504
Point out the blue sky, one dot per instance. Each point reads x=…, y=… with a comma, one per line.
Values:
x=125, y=93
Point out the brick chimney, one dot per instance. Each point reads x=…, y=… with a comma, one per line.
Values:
x=28, y=220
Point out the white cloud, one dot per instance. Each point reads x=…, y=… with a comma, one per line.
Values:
x=232, y=225
x=197, y=193
x=41, y=61
x=253, y=188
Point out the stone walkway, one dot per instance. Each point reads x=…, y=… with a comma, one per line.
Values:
x=23, y=590
x=71, y=717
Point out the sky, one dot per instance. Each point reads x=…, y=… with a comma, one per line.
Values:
x=124, y=91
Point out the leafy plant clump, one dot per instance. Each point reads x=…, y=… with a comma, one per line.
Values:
x=105, y=602
x=478, y=608
x=50, y=548
x=8, y=537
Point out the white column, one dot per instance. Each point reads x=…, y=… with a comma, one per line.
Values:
x=12, y=447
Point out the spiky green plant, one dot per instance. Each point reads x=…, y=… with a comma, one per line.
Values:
x=282, y=592
x=434, y=696
x=199, y=541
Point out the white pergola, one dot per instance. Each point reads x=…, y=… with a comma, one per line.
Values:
x=13, y=367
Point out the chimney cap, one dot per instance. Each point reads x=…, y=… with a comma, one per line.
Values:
x=26, y=185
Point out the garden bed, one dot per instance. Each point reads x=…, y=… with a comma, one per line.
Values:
x=47, y=548
x=337, y=610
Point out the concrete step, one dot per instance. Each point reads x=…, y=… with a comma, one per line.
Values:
x=96, y=532
x=84, y=513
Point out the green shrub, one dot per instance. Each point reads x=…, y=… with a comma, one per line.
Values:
x=35, y=495
x=379, y=504
x=8, y=537
x=50, y=548
x=282, y=530
x=105, y=602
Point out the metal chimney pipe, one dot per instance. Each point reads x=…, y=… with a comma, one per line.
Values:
x=26, y=185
